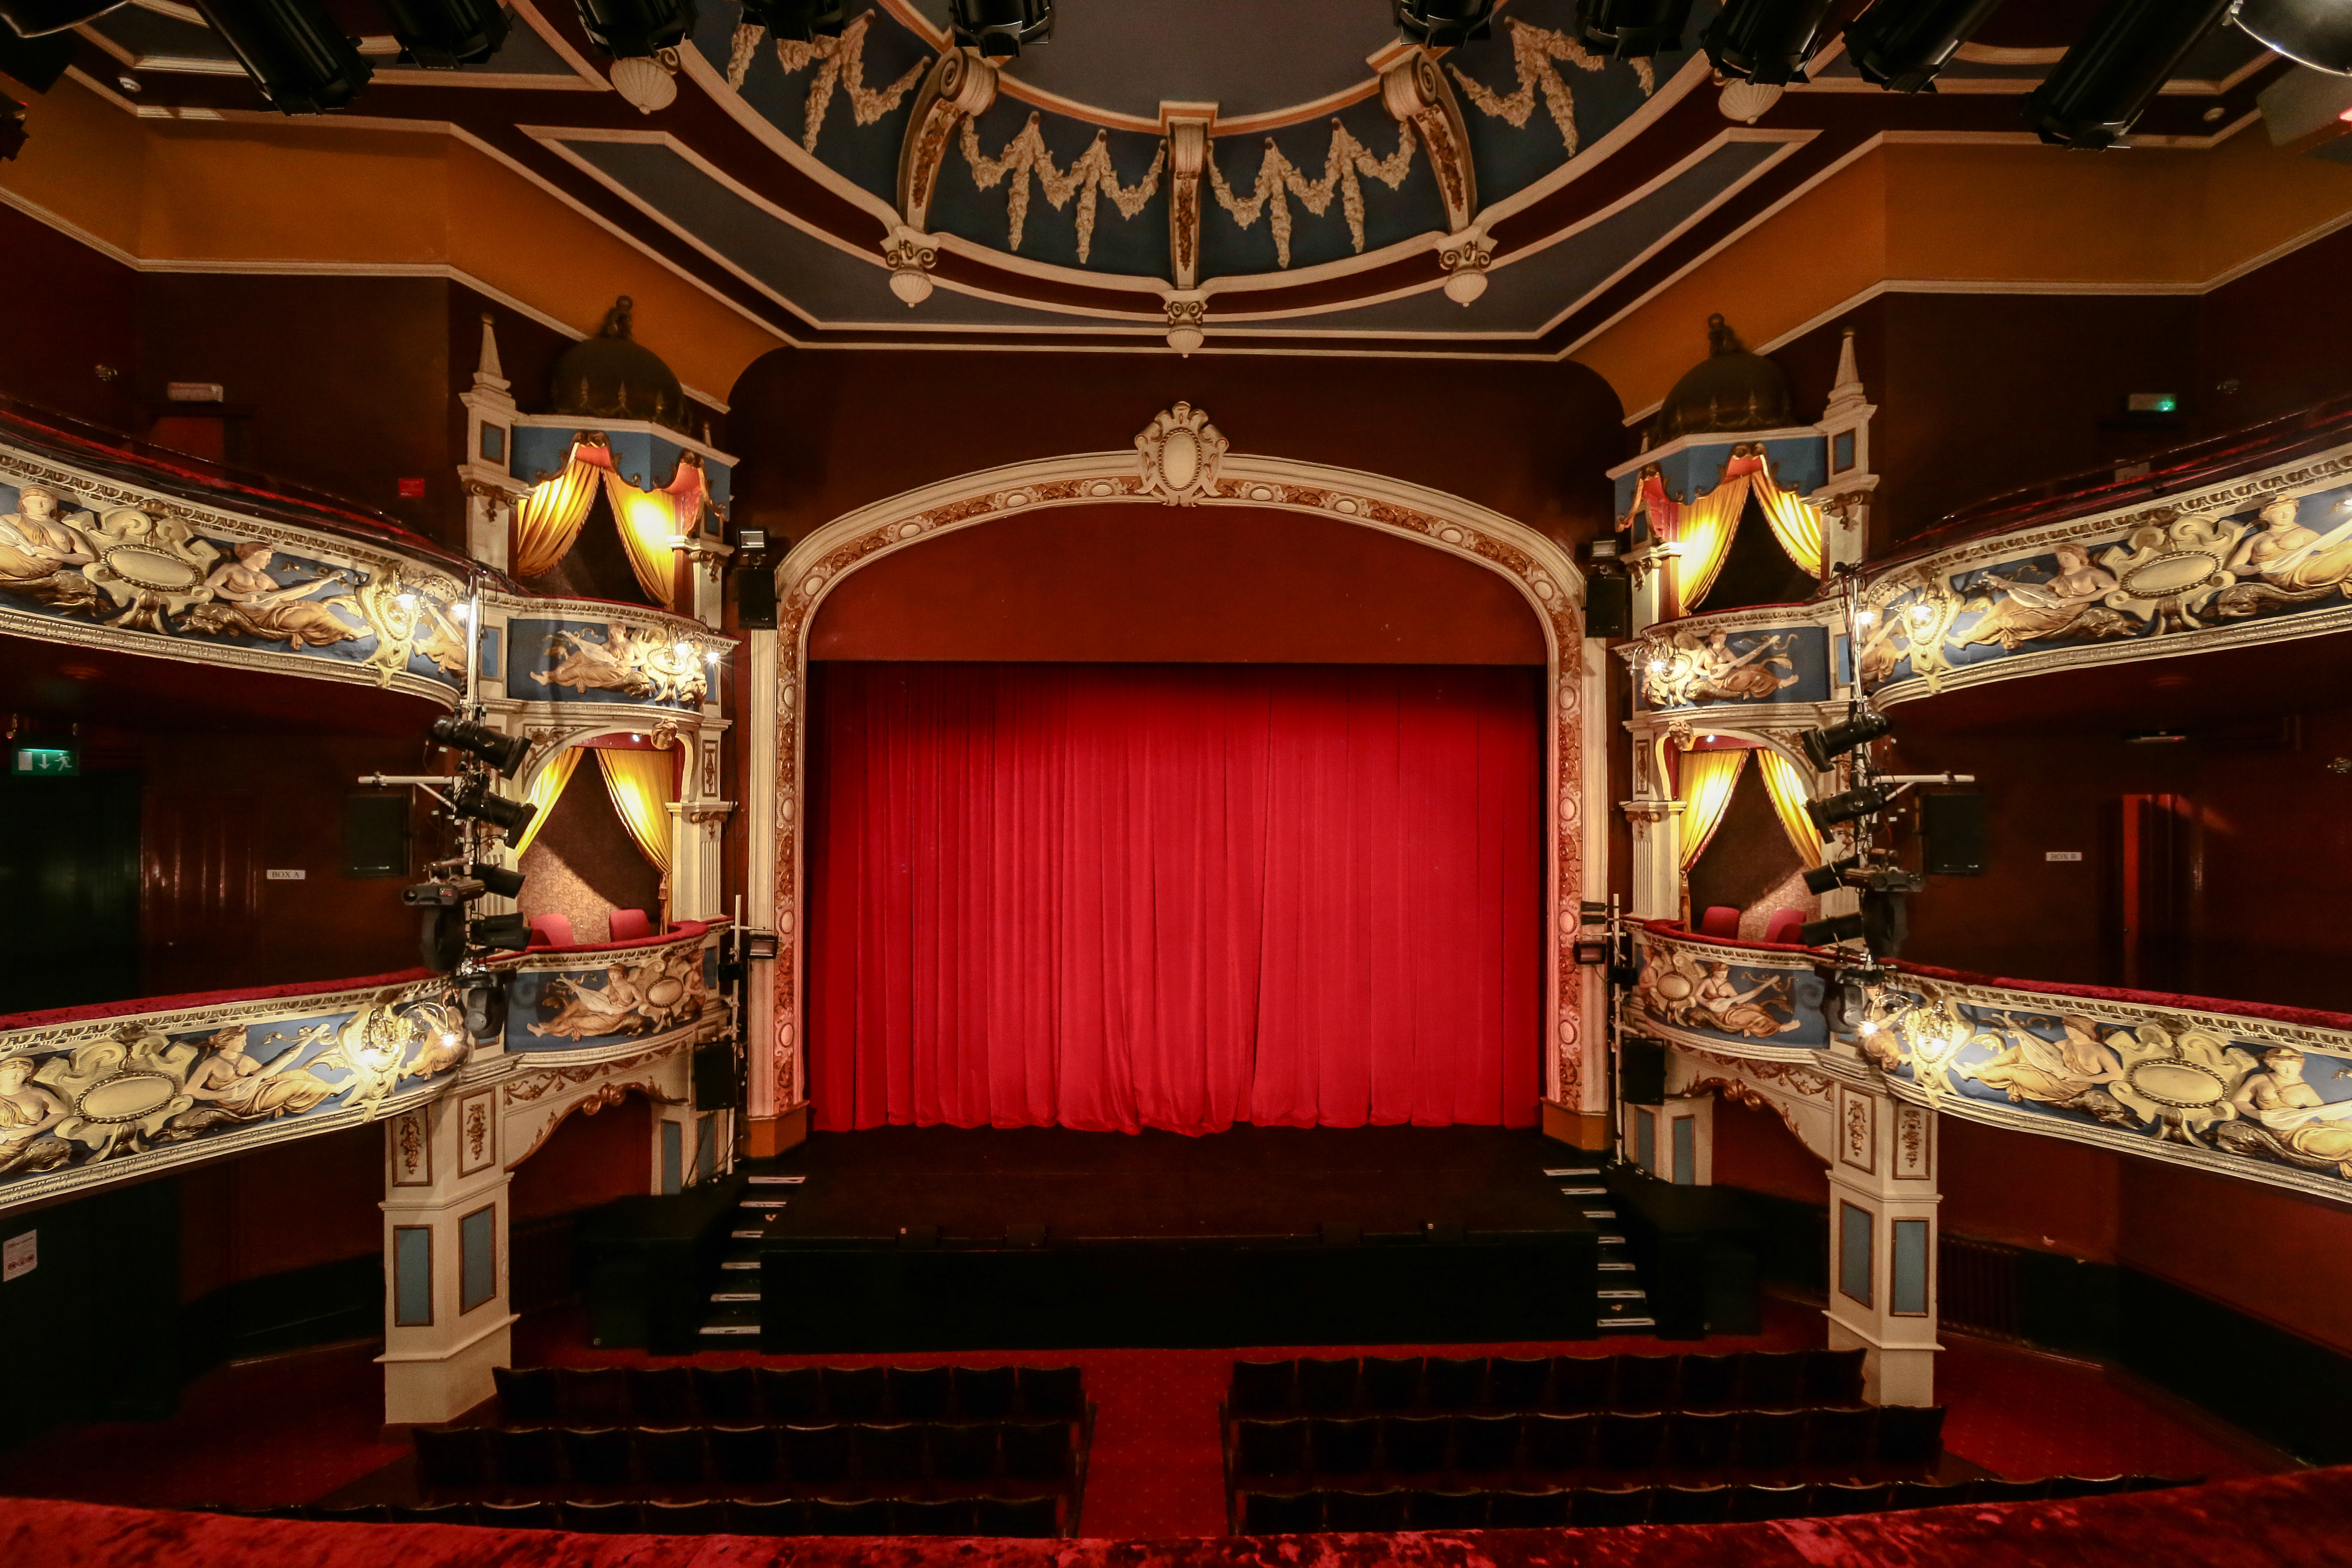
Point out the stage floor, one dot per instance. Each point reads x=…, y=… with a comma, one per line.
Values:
x=1250, y=1182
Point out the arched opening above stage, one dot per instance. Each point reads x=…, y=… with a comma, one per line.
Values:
x=1170, y=584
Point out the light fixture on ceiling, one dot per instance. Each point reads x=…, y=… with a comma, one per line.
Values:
x=1765, y=41
x=1901, y=45
x=2317, y=33
x=441, y=35
x=1445, y=23
x=636, y=29
x=998, y=28
x=1630, y=29
x=803, y=20
x=647, y=83
x=2092, y=95
x=295, y=53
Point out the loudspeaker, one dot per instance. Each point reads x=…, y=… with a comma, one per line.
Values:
x=1609, y=607
x=755, y=600
x=1953, y=825
x=714, y=1077
x=1642, y=1071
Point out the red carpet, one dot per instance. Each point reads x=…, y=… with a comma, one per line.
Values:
x=2304, y=1519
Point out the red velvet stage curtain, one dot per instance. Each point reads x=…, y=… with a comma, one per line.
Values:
x=1174, y=896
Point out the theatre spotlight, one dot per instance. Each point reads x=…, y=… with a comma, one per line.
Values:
x=998, y=28
x=474, y=799
x=443, y=893
x=441, y=35
x=1845, y=1000
x=1901, y=44
x=1765, y=41
x=1445, y=23
x=1825, y=745
x=1886, y=922
x=486, y=1007
x=1836, y=929
x=504, y=752
x=1854, y=803
x=441, y=939
x=2318, y=33
x=1821, y=879
x=1630, y=29
x=295, y=52
x=805, y=20
x=2092, y=95
x=498, y=880
x=632, y=29
x=511, y=932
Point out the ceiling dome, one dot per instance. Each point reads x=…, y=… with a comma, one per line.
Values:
x=1731, y=389
x=614, y=376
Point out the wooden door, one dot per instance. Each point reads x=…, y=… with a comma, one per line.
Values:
x=200, y=889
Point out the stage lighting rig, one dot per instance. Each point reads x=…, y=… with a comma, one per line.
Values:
x=441, y=35
x=473, y=799
x=1765, y=41
x=634, y=29
x=2094, y=94
x=504, y=753
x=998, y=28
x=1445, y=23
x=1630, y=29
x=33, y=18
x=2316, y=32
x=1901, y=45
x=1860, y=727
x=804, y=21
x=295, y=53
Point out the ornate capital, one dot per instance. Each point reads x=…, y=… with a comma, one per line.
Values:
x=1188, y=316
x=911, y=256
x=960, y=85
x=1466, y=258
x=1415, y=92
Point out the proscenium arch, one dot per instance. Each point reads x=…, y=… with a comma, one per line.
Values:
x=777, y=695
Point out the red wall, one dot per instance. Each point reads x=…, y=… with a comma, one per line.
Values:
x=281, y=1208
x=1755, y=1150
x=1161, y=584
x=586, y=1161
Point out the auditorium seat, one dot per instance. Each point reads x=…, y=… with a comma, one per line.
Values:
x=1841, y=1439
x=962, y=1453
x=527, y=1396
x=792, y=1396
x=1602, y=1505
x=629, y=925
x=1994, y=1488
x=1832, y=1377
x=855, y=1393
x=888, y=1456
x=1414, y=1445
x=767, y=1516
x=1517, y=1383
x=1773, y=1380
x=584, y=1518
x=1452, y=1384
x=1445, y=1511
x=1708, y=1382
x=1327, y=1387
x=1281, y=1513
x=526, y=1457
x=1558, y=1445
x=1689, y=1505
x=1644, y=1382
x=1485, y=1445
x=1342, y=1445
x=1579, y=1384
x=667, y=1456
x=1263, y=1388
x=592, y=1395
x=1036, y=1451
x=551, y=931
x=661, y=1395
x=700, y=1516
x=1052, y=1392
x=1549, y=1508
x=1769, y=1442
x=1720, y=920
x=742, y=1456
x=1834, y=1498
x=1701, y=1440
x=1266, y=1448
x=595, y=1456
x=831, y=1516
x=1030, y=1517
x=1910, y=1437
x=816, y=1453
x=1927, y=1494
x=433, y=1513
x=1629, y=1440
x=945, y=1516
x=1375, y=1511
x=519, y=1515
x=450, y=1459
x=1754, y=1504
x=1391, y=1384
x=727, y=1394
x=983, y=1393
x=920, y=1392
x=1785, y=927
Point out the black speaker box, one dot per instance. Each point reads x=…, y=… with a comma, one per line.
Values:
x=1608, y=606
x=1953, y=825
x=714, y=1077
x=755, y=600
x=1642, y=1071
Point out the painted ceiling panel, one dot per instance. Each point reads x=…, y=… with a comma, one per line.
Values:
x=1047, y=231
x=1387, y=214
x=861, y=91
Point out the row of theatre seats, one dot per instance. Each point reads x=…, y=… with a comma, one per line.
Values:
x=1289, y=1514
x=1569, y=1385
x=1832, y=1443
x=782, y=1396
x=1037, y=1516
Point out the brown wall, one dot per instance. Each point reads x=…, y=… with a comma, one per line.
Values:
x=1755, y=1150
x=72, y=311
x=282, y=1208
x=1154, y=584
x=586, y=1161
x=2282, y=332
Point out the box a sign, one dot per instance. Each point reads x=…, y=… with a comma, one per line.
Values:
x=19, y=1256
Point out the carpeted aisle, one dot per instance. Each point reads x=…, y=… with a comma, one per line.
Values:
x=2304, y=1519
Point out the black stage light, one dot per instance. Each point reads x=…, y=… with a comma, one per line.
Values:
x=1630, y=29
x=1866, y=801
x=632, y=29
x=1844, y=1001
x=1823, y=746
x=1821, y=879
x=12, y=128
x=1901, y=44
x=998, y=28
x=31, y=18
x=474, y=800
x=1445, y=23
x=2092, y=95
x=295, y=53
x=1766, y=41
x=443, y=893
x=36, y=62
x=498, y=880
x=504, y=752
x=441, y=939
x=511, y=932
x=806, y=20
x=2318, y=33
x=441, y=35
x=485, y=1007
x=1886, y=923
x=1822, y=932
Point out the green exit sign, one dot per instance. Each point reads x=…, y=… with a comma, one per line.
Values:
x=46, y=761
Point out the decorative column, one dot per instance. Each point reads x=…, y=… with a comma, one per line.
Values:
x=1883, y=1198
x=698, y=819
x=775, y=1112
x=1657, y=858
x=446, y=1321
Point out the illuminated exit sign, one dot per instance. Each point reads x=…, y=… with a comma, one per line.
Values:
x=46, y=761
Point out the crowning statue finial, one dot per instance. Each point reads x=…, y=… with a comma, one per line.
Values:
x=616, y=320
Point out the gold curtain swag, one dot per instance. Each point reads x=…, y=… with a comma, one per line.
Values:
x=649, y=520
x=640, y=783
x=546, y=789
x=1785, y=783
x=1703, y=529
x=1703, y=782
x=547, y=520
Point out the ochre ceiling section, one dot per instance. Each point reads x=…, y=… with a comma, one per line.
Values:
x=253, y=196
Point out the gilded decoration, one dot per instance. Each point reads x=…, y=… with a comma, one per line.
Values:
x=1180, y=451
x=1687, y=667
x=635, y=663
x=1686, y=990
x=664, y=989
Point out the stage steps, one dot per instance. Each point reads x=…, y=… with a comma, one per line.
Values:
x=1619, y=1302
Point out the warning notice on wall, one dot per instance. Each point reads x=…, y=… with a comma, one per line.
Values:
x=19, y=1255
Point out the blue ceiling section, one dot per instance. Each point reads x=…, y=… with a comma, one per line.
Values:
x=867, y=156
x=1524, y=297
x=1413, y=207
x=1136, y=246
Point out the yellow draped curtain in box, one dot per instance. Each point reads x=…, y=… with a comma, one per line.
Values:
x=1704, y=783
x=1703, y=530
x=642, y=786
x=649, y=520
x=546, y=789
x=548, y=519
x=1785, y=783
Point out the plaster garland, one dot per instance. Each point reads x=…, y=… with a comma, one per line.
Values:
x=1279, y=178
x=1533, y=51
